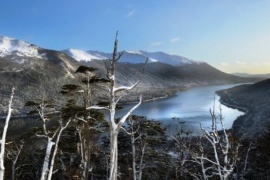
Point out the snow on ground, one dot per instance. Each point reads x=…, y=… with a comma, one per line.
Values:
x=81, y=55
x=21, y=48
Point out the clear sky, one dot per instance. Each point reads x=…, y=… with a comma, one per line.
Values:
x=231, y=35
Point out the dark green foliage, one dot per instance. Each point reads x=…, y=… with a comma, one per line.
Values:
x=31, y=103
x=85, y=69
x=36, y=104
x=150, y=135
x=69, y=88
x=106, y=104
x=95, y=79
x=32, y=112
x=258, y=161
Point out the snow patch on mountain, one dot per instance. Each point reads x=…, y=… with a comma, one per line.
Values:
x=9, y=46
x=168, y=58
x=140, y=57
x=131, y=57
x=81, y=55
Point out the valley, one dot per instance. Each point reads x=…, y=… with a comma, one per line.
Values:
x=36, y=72
x=177, y=95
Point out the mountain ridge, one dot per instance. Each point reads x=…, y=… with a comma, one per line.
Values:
x=46, y=71
x=247, y=75
x=130, y=56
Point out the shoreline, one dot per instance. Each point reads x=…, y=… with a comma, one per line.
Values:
x=242, y=109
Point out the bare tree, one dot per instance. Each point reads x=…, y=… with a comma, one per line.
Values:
x=13, y=151
x=224, y=150
x=136, y=135
x=3, y=139
x=181, y=149
x=115, y=126
x=88, y=122
x=147, y=139
x=52, y=136
x=252, y=145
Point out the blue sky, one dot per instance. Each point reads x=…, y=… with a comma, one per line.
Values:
x=231, y=35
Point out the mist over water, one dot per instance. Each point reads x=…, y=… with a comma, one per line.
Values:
x=192, y=107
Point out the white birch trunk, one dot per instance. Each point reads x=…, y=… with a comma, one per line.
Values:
x=141, y=162
x=3, y=140
x=115, y=127
x=56, y=148
x=45, y=168
x=134, y=170
x=114, y=155
x=15, y=161
x=221, y=169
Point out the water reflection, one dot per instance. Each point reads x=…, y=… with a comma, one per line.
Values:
x=190, y=106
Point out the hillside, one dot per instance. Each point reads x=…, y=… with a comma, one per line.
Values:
x=246, y=75
x=254, y=99
x=35, y=71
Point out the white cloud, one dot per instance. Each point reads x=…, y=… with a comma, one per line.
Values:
x=174, y=40
x=224, y=64
x=156, y=43
x=240, y=62
x=131, y=13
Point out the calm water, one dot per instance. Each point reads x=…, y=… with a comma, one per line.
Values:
x=190, y=106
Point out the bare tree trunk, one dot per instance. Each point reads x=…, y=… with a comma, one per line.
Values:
x=114, y=155
x=221, y=147
x=141, y=162
x=113, y=91
x=134, y=170
x=13, y=170
x=15, y=161
x=251, y=146
x=45, y=168
x=3, y=140
x=62, y=128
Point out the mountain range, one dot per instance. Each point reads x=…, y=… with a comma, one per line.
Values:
x=35, y=71
x=130, y=56
x=246, y=75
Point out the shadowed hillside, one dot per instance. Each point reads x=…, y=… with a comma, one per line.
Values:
x=254, y=99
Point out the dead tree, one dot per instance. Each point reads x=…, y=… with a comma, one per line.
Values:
x=3, y=139
x=88, y=122
x=115, y=126
x=182, y=148
x=224, y=150
x=13, y=152
x=52, y=136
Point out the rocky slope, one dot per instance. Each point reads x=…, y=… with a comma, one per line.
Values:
x=254, y=99
x=35, y=71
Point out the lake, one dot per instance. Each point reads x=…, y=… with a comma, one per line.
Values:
x=191, y=106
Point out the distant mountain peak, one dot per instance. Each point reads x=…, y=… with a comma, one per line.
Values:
x=9, y=46
x=81, y=55
x=137, y=56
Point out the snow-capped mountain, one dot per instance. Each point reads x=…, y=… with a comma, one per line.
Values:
x=34, y=70
x=81, y=55
x=10, y=46
x=130, y=56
